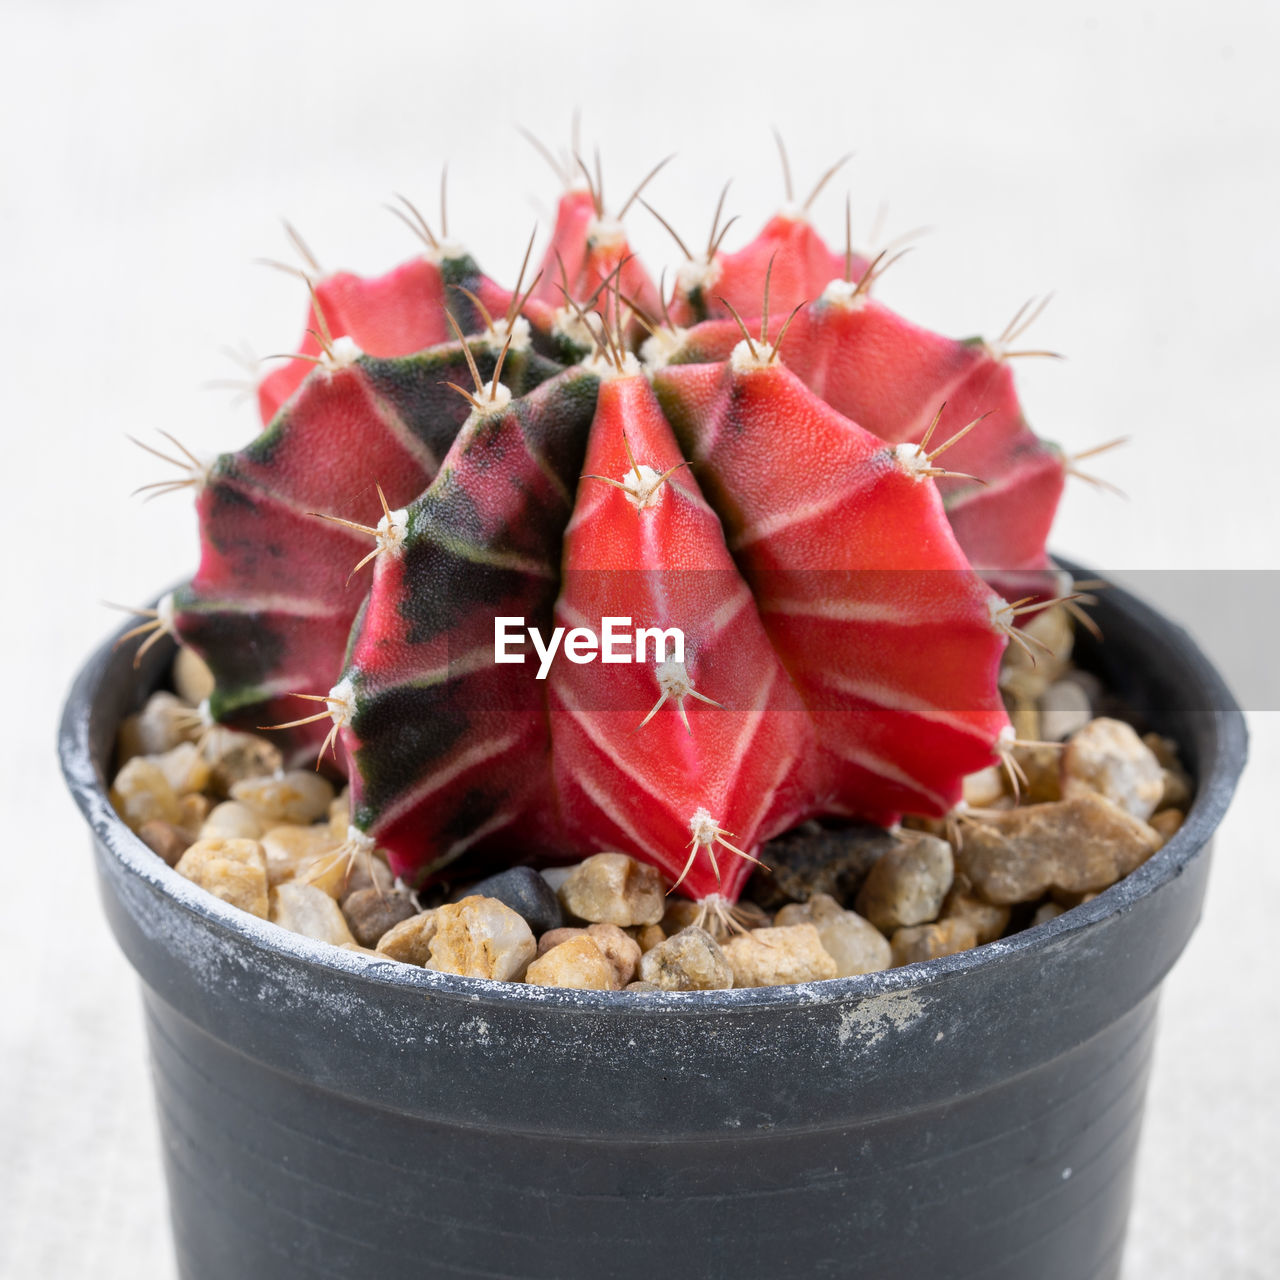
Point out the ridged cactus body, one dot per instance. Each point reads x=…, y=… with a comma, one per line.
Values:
x=776, y=497
x=272, y=603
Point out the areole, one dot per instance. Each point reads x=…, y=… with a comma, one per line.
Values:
x=325, y=1114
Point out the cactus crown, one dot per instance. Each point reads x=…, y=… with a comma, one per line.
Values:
x=461, y=488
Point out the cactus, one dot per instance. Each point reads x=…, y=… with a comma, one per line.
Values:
x=754, y=459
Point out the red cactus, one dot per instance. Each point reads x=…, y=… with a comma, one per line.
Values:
x=840, y=652
x=271, y=606
x=842, y=659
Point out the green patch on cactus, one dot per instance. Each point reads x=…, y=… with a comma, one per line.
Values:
x=403, y=727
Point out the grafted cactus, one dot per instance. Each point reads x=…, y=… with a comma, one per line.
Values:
x=769, y=461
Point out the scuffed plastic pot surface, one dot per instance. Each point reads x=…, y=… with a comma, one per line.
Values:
x=328, y=1115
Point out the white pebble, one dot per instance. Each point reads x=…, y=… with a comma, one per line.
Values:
x=1109, y=758
x=300, y=795
x=141, y=793
x=231, y=821
x=305, y=909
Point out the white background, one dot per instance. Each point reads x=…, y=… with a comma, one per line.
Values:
x=1123, y=155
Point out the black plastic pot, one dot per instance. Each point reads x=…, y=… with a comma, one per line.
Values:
x=327, y=1115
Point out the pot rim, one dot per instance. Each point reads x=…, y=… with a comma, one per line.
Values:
x=1215, y=787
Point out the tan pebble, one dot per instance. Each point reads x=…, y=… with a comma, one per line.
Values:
x=554, y=937
x=1064, y=710
x=1069, y=900
x=1178, y=787
x=302, y=908
x=185, y=768
x=778, y=956
x=680, y=913
x=1166, y=823
x=578, y=963
x=648, y=936
x=1051, y=636
x=620, y=950
x=1041, y=766
x=191, y=676
x=164, y=722
x=233, y=870
x=929, y=941
x=331, y=872
x=410, y=940
x=234, y=757
x=855, y=944
x=292, y=846
x=195, y=812
x=907, y=885
x=989, y=921
x=984, y=788
x=1177, y=790
x=1025, y=718
x=372, y=912
x=612, y=888
x=364, y=951
x=141, y=793
x=164, y=839
x=1047, y=911
x=641, y=985
x=749, y=915
x=231, y=821
x=1164, y=749
x=481, y=938
x=1108, y=757
x=798, y=912
x=1078, y=845
x=300, y=795
x=930, y=826
x=690, y=960
x=340, y=813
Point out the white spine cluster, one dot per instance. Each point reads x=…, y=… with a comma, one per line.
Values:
x=705, y=829
x=657, y=350
x=744, y=358
x=1000, y=614
x=341, y=702
x=913, y=460
x=605, y=233
x=843, y=294
x=444, y=250
x=342, y=354
x=570, y=325
x=165, y=609
x=673, y=679
x=606, y=370
x=491, y=401
x=643, y=488
x=698, y=273
x=496, y=338
x=359, y=841
x=390, y=531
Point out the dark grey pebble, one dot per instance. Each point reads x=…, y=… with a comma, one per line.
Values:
x=525, y=892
